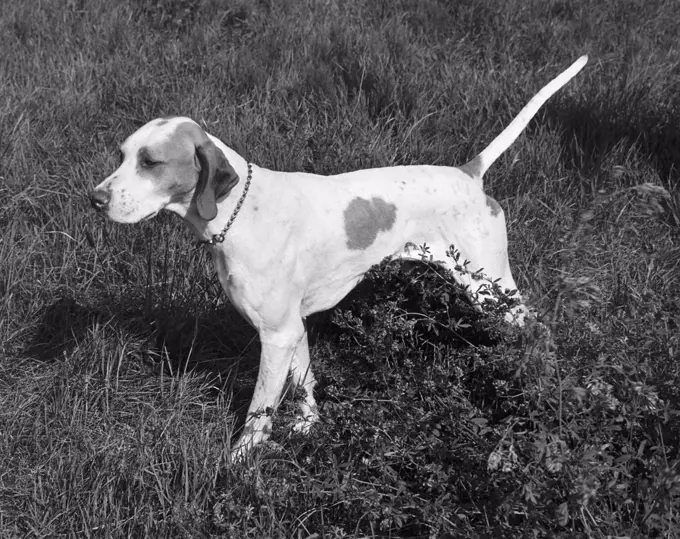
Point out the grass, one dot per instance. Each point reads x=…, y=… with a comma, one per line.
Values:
x=124, y=374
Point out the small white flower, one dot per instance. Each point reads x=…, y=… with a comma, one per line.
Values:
x=494, y=460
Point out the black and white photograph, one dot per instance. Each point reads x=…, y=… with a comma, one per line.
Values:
x=324, y=269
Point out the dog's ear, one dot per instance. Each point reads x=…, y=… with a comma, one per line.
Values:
x=216, y=178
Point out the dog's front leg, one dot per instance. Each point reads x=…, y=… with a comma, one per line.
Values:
x=301, y=376
x=278, y=347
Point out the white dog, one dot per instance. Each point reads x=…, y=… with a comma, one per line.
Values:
x=289, y=244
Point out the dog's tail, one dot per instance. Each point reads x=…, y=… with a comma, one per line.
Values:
x=480, y=164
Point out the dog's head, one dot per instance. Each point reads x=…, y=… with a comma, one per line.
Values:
x=167, y=161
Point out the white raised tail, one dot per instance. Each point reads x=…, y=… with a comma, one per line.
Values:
x=480, y=164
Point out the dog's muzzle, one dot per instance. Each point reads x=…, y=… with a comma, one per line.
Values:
x=100, y=199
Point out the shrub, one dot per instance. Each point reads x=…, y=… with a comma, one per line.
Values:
x=433, y=431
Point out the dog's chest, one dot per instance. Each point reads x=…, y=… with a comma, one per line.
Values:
x=233, y=285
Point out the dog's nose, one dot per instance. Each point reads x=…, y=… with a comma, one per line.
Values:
x=99, y=199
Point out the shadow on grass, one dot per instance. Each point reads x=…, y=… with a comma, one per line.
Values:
x=217, y=343
x=598, y=132
x=62, y=324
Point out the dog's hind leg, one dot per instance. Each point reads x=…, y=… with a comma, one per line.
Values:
x=484, y=246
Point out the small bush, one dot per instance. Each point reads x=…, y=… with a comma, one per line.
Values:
x=432, y=431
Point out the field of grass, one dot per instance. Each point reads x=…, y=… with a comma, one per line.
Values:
x=124, y=373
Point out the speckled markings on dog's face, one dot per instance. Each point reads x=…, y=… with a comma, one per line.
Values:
x=364, y=219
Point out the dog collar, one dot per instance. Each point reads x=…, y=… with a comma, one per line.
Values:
x=219, y=238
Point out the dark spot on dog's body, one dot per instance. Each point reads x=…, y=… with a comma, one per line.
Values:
x=365, y=218
x=494, y=206
x=161, y=122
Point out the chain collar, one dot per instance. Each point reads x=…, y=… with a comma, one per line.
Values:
x=219, y=238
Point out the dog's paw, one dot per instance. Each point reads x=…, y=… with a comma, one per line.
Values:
x=256, y=431
x=304, y=423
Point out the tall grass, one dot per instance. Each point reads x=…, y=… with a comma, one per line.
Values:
x=123, y=372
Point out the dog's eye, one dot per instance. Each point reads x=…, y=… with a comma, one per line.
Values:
x=148, y=163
